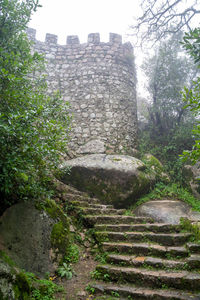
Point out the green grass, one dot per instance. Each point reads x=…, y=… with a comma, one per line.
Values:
x=170, y=191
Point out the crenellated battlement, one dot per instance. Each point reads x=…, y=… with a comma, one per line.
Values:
x=93, y=38
x=99, y=80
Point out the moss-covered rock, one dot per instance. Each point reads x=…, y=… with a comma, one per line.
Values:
x=155, y=167
x=14, y=284
x=116, y=179
x=35, y=236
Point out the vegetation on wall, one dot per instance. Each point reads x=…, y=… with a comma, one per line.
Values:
x=33, y=126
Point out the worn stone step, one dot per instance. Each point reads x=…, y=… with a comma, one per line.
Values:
x=157, y=279
x=116, y=219
x=144, y=249
x=142, y=293
x=90, y=205
x=102, y=211
x=82, y=198
x=155, y=227
x=68, y=189
x=193, y=248
x=150, y=262
x=194, y=261
x=170, y=239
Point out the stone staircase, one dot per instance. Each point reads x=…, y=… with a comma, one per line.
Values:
x=145, y=260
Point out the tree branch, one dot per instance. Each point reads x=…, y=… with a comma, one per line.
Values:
x=162, y=17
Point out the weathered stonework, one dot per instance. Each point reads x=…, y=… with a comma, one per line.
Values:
x=99, y=81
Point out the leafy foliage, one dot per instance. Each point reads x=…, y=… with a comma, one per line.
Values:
x=169, y=129
x=167, y=72
x=191, y=43
x=33, y=126
x=72, y=254
x=65, y=271
x=42, y=289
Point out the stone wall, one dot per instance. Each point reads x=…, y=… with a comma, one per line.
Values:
x=99, y=81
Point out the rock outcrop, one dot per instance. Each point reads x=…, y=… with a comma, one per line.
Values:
x=166, y=210
x=115, y=179
x=35, y=239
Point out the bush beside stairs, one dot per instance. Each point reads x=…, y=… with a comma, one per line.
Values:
x=144, y=259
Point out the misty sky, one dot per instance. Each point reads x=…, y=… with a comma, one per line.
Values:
x=81, y=17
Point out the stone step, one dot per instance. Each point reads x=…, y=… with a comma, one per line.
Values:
x=142, y=293
x=155, y=227
x=102, y=211
x=143, y=249
x=194, y=261
x=90, y=205
x=193, y=248
x=157, y=279
x=116, y=219
x=170, y=239
x=68, y=189
x=151, y=262
x=82, y=198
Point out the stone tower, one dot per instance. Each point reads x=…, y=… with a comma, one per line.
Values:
x=99, y=81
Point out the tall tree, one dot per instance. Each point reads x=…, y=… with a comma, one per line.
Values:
x=169, y=128
x=161, y=17
x=167, y=72
x=33, y=126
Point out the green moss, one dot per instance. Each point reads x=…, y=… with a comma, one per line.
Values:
x=22, y=287
x=151, y=161
x=60, y=234
x=60, y=237
x=7, y=259
x=154, y=167
x=116, y=159
x=18, y=280
x=52, y=209
x=187, y=225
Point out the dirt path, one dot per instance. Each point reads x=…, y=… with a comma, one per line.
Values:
x=75, y=287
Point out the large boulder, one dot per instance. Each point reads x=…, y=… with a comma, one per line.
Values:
x=166, y=210
x=116, y=179
x=35, y=239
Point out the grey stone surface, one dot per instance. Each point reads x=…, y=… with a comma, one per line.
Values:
x=192, y=175
x=91, y=147
x=25, y=233
x=117, y=179
x=99, y=81
x=7, y=279
x=167, y=211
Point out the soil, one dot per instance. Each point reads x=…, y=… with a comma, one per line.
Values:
x=75, y=288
